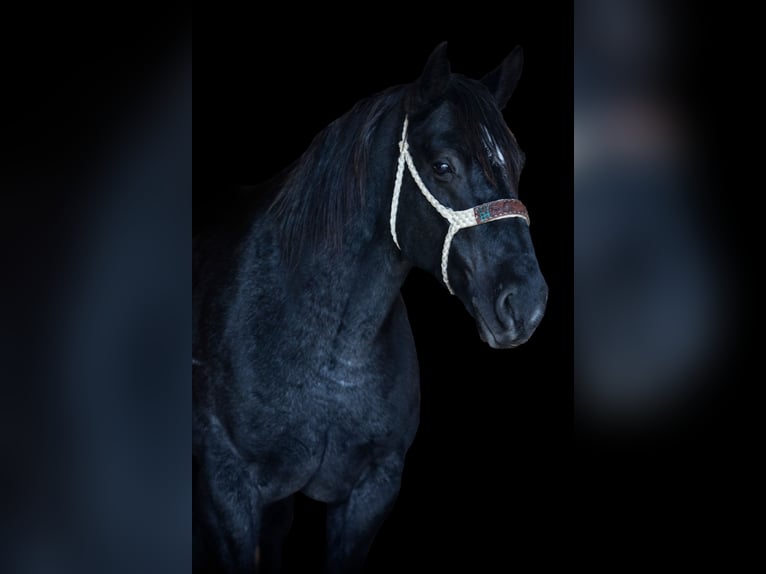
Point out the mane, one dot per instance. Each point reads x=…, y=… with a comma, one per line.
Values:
x=325, y=188
x=475, y=109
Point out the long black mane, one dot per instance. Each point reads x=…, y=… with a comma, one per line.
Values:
x=325, y=187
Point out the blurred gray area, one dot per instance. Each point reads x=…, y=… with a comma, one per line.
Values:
x=94, y=440
x=653, y=308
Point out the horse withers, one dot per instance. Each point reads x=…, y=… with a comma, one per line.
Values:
x=305, y=376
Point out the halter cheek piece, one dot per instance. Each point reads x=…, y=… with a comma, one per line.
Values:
x=484, y=213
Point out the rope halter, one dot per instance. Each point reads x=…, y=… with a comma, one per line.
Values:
x=484, y=213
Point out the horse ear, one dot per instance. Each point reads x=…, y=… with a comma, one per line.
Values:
x=433, y=80
x=502, y=80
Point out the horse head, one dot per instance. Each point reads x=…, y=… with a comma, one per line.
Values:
x=455, y=210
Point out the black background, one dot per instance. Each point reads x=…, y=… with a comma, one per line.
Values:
x=486, y=472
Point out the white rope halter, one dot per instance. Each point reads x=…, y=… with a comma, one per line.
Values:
x=484, y=213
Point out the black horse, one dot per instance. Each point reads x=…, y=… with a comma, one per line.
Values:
x=305, y=372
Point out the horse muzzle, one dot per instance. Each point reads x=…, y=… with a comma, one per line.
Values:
x=511, y=319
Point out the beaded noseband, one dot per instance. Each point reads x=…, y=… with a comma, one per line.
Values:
x=484, y=213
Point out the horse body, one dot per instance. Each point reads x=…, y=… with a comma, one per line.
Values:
x=315, y=407
x=305, y=371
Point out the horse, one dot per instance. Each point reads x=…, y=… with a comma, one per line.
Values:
x=305, y=374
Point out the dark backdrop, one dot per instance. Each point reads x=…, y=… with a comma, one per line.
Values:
x=484, y=476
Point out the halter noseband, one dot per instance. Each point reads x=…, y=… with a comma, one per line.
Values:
x=484, y=213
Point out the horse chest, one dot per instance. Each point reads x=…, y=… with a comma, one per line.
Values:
x=364, y=419
x=318, y=421
x=352, y=445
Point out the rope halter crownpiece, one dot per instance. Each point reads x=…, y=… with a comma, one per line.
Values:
x=484, y=213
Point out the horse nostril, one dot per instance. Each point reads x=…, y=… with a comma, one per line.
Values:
x=517, y=313
x=504, y=307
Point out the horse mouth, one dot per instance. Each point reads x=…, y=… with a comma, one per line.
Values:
x=495, y=338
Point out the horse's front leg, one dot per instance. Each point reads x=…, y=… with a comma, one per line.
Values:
x=227, y=508
x=353, y=524
x=277, y=519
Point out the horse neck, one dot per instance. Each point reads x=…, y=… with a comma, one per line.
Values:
x=349, y=292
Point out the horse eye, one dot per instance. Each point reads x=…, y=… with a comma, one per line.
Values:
x=442, y=168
